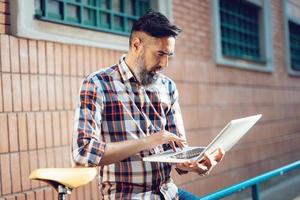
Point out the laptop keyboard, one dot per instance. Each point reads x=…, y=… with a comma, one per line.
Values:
x=188, y=154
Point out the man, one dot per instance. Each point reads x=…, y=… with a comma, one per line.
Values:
x=131, y=110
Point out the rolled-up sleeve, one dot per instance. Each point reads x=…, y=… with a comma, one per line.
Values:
x=87, y=148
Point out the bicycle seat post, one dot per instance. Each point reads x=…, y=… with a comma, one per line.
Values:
x=62, y=192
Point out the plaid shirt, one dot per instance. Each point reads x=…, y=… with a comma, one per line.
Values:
x=113, y=107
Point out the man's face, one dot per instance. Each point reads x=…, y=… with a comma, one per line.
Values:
x=154, y=58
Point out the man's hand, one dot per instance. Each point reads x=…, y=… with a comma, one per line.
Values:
x=164, y=137
x=204, y=166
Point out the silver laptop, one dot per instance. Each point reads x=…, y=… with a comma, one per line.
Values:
x=226, y=139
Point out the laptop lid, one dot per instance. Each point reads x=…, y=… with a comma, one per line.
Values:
x=231, y=134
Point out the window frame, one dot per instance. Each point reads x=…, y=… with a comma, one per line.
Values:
x=265, y=40
x=24, y=24
x=286, y=19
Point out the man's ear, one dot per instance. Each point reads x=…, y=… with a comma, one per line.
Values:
x=136, y=44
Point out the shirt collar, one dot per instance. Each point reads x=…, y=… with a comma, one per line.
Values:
x=125, y=72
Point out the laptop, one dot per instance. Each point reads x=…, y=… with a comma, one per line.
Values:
x=226, y=139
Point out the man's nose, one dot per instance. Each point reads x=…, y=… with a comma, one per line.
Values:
x=164, y=61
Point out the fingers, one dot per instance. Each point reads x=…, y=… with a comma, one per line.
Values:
x=218, y=154
x=172, y=144
x=172, y=139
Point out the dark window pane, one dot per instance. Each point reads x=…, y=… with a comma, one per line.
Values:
x=118, y=22
x=54, y=9
x=130, y=7
x=89, y=16
x=73, y=13
x=105, y=4
x=294, y=30
x=115, y=16
x=117, y=6
x=240, y=29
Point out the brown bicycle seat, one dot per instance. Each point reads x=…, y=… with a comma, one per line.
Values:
x=68, y=177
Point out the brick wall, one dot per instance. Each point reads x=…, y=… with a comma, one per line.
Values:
x=39, y=82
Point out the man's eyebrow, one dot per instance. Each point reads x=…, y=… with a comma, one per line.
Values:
x=166, y=53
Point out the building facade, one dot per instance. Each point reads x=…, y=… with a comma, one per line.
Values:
x=233, y=59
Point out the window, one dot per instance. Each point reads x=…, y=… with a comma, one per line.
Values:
x=99, y=23
x=242, y=34
x=116, y=16
x=292, y=36
x=294, y=30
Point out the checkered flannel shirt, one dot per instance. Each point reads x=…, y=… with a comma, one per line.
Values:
x=113, y=107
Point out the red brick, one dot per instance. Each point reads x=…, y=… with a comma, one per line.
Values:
x=56, y=129
x=49, y=194
x=4, y=7
x=42, y=162
x=58, y=58
x=32, y=48
x=87, y=60
x=50, y=57
x=5, y=174
x=50, y=158
x=71, y=115
x=30, y=195
x=48, y=129
x=43, y=92
x=4, y=29
x=79, y=57
x=24, y=55
x=95, y=189
x=31, y=125
x=20, y=197
x=66, y=59
x=66, y=158
x=33, y=165
x=4, y=19
x=14, y=54
x=15, y=170
x=67, y=93
x=41, y=57
x=59, y=93
x=25, y=170
x=39, y=194
x=73, y=195
x=17, y=93
x=40, y=131
x=5, y=53
x=99, y=58
x=93, y=59
x=80, y=193
x=4, y=133
x=64, y=128
x=58, y=157
x=51, y=93
x=73, y=63
x=10, y=197
x=34, y=91
x=25, y=85
x=13, y=132
x=1, y=96
x=22, y=131
x=74, y=92
x=7, y=92
x=87, y=191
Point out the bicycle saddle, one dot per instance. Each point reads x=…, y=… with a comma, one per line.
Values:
x=67, y=177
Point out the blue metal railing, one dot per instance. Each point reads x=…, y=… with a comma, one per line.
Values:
x=253, y=183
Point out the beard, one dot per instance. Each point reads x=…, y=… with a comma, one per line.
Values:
x=144, y=76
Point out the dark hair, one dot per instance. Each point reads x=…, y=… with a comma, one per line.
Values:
x=155, y=24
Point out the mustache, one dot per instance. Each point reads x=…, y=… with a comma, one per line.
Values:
x=157, y=68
